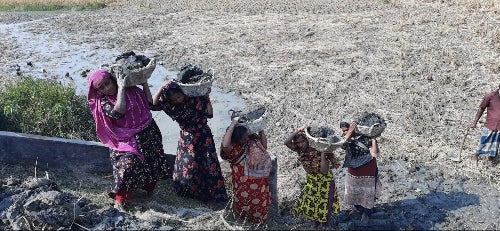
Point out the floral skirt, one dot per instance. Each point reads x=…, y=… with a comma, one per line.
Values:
x=197, y=173
x=130, y=172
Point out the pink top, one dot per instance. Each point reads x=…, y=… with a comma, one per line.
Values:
x=118, y=134
x=491, y=102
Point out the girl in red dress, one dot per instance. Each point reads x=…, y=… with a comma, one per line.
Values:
x=250, y=168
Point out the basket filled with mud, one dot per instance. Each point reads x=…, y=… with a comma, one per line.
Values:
x=193, y=81
x=370, y=124
x=137, y=69
x=322, y=138
x=255, y=120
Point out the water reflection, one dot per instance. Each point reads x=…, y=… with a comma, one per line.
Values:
x=65, y=62
x=221, y=102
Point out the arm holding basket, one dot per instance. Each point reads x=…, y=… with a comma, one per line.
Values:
x=263, y=138
x=234, y=142
x=210, y=109
x=350, y=132
x=121, y=104
x=289, y=140
x=226, y=140
x=147, y=91
x=157, y=95
x=374, y=150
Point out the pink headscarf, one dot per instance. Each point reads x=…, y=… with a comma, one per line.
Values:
x=118, y=134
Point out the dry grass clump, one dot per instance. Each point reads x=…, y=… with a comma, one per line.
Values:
x=51, y=5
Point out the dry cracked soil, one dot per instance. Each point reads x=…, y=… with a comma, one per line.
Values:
x=421, y=65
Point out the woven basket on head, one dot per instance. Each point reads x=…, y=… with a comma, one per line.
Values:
x=255, y=120
x=370, y=124
x=256, y=125
x=323, y=144
x=201, y=88
x=371, y=131
x=134, y=76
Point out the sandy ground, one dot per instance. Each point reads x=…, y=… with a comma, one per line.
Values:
x=422, y=65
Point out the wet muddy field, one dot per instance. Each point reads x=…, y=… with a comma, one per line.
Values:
x=422, y=65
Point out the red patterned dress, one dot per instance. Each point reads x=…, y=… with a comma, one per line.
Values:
x=252, y=198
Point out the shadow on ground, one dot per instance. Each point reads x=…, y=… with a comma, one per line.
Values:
x=423, y=212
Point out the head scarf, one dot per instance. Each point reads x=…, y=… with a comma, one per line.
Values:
x=99, y=77
x=118, y=134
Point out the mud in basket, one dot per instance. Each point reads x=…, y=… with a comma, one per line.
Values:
x=371, y=125
x=133, y=75
x=327, y=143
x=200, y=88
x=255, y=120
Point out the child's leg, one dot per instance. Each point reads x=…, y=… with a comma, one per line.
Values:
x=150, y=187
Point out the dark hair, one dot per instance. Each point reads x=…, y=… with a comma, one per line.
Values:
x=344, y=124
x=171, y=91
x=299, y=135
x=238, y=133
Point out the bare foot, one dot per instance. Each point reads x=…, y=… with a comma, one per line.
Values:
x=119, y=206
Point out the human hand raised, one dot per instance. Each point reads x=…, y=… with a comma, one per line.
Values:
x=352, y=126
x=235, y=120
x=472, y=125
x=302, y=128
x=120, y=78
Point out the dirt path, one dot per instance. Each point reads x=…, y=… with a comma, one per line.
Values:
x=422, y=66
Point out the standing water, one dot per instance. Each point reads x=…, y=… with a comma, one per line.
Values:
x=44, y=55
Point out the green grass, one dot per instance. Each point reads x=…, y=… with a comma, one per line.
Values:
x=45, y=107
x=50, y=5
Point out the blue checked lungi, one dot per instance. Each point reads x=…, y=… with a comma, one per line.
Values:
x=489, y=142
